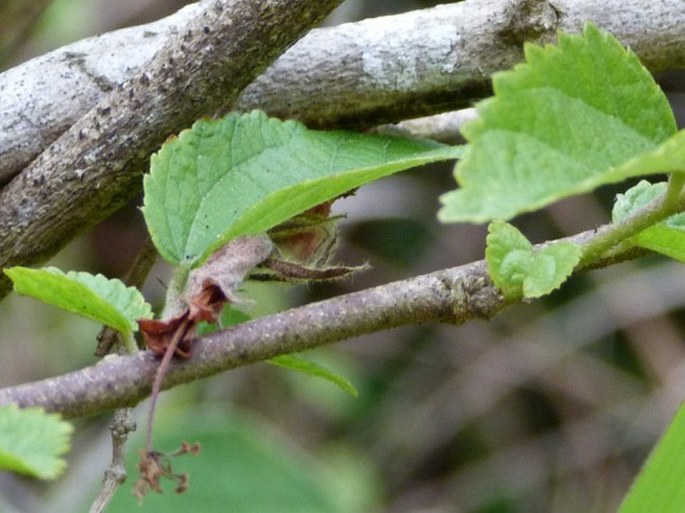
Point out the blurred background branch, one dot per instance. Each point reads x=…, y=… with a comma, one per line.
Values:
x=17, y=17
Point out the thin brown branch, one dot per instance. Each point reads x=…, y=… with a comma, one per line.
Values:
x=453, y=295
x=96, y=166
x=108, y=338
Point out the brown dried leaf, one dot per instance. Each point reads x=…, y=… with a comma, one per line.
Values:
x=154, y=466
x=159, y=334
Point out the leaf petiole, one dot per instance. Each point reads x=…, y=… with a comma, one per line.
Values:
x=129, y=342
x=674, y=189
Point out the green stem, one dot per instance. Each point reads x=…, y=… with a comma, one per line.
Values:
x=657, y=211
x=129, y=342
x=673, y=191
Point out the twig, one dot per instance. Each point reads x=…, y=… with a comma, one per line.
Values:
x=115, y=475
x=445, y=127
x=159, y=379
x=135, y=277
x=451, y=295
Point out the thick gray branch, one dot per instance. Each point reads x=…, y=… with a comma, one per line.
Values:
x=95, y=167
x=420, y=63
x=42, y=98
x=378, y=70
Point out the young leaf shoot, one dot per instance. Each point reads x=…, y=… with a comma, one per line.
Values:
x=520, y=270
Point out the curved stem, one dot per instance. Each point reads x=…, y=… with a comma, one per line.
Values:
x=660, y=209
x=159, y=379
x=676, y=182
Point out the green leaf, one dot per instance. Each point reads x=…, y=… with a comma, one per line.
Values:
x=32, y=441
x=297, y=363
x=573, y=117
x=668, y=237
x=507, y=253
x=109, y=302
x=660, y=486
x=636, y=198
x=244, y=174
x=665, y=239
x=520, y=270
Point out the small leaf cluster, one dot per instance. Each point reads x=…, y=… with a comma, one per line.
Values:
x=575, y=116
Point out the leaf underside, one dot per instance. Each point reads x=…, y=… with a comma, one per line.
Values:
x=573, y=117
x=244, y=174
x=313, y=369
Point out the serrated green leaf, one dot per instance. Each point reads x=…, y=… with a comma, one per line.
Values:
x=32, y=441
x=520, y=270
x=244, y=174
x=109, y=302
x=668, y=237
x=507, y=253
x=636, y=198
x=573, y=117
x=299, y=364
x=660, y=486
x=550, y=268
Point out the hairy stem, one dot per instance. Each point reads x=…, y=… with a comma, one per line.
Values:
x=676, y=182
x=129, y=342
